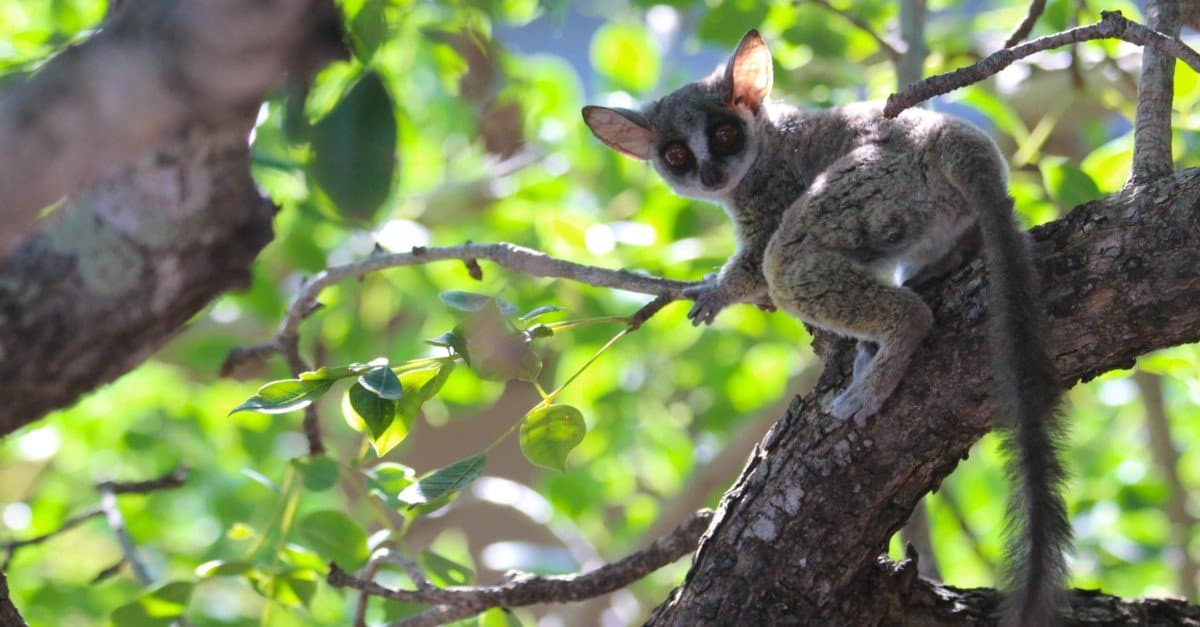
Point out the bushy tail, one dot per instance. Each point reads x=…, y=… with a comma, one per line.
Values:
x=1028, y=394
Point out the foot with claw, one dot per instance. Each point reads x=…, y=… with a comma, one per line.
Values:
x=710, y=299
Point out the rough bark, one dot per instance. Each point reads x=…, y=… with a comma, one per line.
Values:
x=796, y=539
x=1156, y=92
x=145, y=127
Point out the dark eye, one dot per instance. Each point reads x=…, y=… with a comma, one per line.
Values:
x=677, y=155
x=725, y=139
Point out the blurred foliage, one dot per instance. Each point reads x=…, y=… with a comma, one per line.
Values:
x=459, y=121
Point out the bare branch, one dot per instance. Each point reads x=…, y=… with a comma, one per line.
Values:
x=116, y=523
x=525, y=589
x=1111, y=26
x=1026, y=26
x=1156, y=90
x=892, y=52
x=168, y=481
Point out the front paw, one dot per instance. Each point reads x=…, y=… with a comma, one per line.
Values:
x=710, y=300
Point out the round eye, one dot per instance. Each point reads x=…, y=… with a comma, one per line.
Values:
x=677, y=155
x=725, y=138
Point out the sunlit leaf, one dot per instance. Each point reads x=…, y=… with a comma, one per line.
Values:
x=548, y=434
x=335, y=536
x=1067, y=183
x=278, y=397
x=220, y=568
x=444, y=481
x=383, y=382
x=498, y=352
x=158, y=607
x=626, y=55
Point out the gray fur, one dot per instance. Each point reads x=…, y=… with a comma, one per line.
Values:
x=834, y=211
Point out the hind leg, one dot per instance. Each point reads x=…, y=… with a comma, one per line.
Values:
x=832, y=291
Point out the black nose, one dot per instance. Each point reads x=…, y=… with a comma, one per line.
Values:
x=711, y=175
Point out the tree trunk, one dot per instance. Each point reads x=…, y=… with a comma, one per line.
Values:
x=797, y=538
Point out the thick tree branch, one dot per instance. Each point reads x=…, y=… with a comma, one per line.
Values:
x=1156, y=90
x=463, y=602
x=154, y=69
x=1111, y=26
x=1120, y=277
x=160, y=100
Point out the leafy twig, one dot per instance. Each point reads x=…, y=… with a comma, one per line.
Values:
x=1111, y=26
x=462, y=602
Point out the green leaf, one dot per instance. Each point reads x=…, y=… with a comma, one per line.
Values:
x=383, y=382
x=354, y=148
x=333, y=373
x=445, y=572
x=368, y=29
x=158, y=607
x=335, y=536
x=320, y=473
x=498, y=617
x=1068, y=185
x=498, y=353
x=627, y=55
x=377, y=413
x=472, y=302
x=539, y=331
x=444, y=481
x=388, y=479
x=293, y=587
x=278, y=397
x=445, y=340
x=541, y=311
x=221, y=568
x=549, y=433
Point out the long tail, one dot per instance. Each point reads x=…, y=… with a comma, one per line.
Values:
x=1028, y=393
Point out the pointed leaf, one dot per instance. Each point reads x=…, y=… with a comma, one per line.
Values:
x=445, y=340
x=159, y=607
x=464, y=301
x=383, y=382
x=377, y=413
x=287, y=395
x=335, y=536
x=444, y=481
x=549, y=433
x=354, y=149
x=541, y=311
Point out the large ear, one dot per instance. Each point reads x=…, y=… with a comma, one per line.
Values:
x=749, y=73
x=627, y=132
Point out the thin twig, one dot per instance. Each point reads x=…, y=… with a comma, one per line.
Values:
x=893, y=53
x=78, y=519
x=526, y=589
x=1026, y=26
x=1111, y=26
x=116, y=523
x=168, y=481
x=910, y=67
